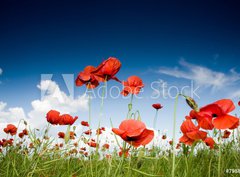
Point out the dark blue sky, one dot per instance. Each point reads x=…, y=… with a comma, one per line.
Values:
x=59, y=37
x=43, y=36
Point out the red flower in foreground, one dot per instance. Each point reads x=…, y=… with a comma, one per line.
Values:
x=134, y=132
x=191, y=133
x=133, y=85
x=216, y=115
x=53, y=117
x=12, y=129
x=157, y=106
x=86, y=77
x=209, y=142
x=85, y=123
x=239, y=103
x=108, y=69
x=66, y=119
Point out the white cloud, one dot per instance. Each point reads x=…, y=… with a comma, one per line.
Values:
x=1, y=71
x=203, y=76
x=10, y=114
x=54, y=98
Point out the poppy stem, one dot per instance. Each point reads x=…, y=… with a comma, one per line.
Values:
x=220, y=154
x=67, y=134
x=89, y=109
x=155, y=119
x=89, y=121
x=101, y=113
x=174, y=132
x=130, y=106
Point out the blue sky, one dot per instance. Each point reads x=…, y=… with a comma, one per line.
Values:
x=171, y=41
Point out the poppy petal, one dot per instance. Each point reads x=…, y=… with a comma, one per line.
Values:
x=196, y=135
x=225, y=121
x=145, y=138
x=188, y=126
x=211, y=109
x=118, y=131
x=133, y=127
x=226, y=105
x=205, y=122
x=184, y=139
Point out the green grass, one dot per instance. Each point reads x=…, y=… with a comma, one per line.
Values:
x=49, y=163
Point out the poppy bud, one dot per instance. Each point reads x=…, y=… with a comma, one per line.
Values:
x=130, y=106
x=25, y=122
x=191, y=103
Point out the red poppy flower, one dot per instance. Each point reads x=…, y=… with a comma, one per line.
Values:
x=6, y=142
x=191, y=133
x=106, y=146
x=92, y=144
x=209, y=142
x=126, y=153
x=133, y=85
x=178, y=146
x=67, y=119
x=12, y=129
x=216, y=115
x=226, y=134
x=61, y=135
x=53, y=117
x=86, y=77
x=88, y=132
x=85, y=123
x=21, y=135
x=72, y=135
x=25, y=131
x=108, y=156
x=108, y=69
x=134, y=132
x=83, y=148
x=99, y=131
x=239, y=103
x=157, y=106
x=164, y=137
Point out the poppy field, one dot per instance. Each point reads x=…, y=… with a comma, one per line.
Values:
x=209, y=144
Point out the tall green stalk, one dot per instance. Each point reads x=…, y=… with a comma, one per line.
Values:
x=130, y=107
x=101, y=112
x=220, y=154
x=155, y=119
x=174, y=132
